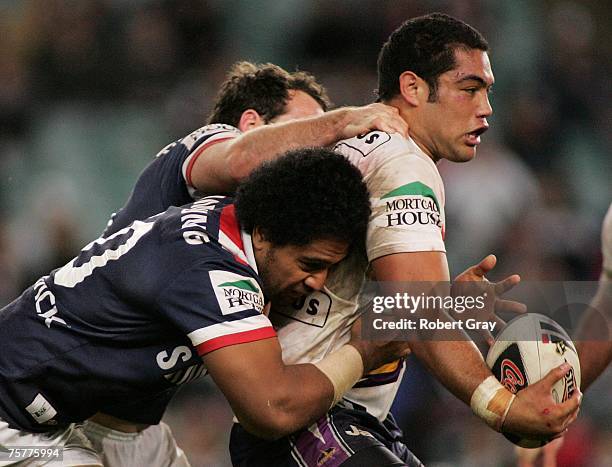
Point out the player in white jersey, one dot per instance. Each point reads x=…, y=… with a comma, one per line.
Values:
x=436, y=71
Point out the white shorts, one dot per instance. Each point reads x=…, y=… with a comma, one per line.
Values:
x=22, y=448
x=154, y=446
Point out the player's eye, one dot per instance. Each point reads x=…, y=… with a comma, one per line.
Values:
x=471, y=91
x=312, y=266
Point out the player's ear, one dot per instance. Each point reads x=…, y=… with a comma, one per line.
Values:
x=250, y=119
x=411, y=87
x=259, y=239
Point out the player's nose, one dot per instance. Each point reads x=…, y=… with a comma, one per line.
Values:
x=316, y=280
x=485, y=109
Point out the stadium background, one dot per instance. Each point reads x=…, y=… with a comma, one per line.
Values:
x=90, y=90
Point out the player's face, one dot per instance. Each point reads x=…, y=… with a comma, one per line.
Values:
x=454, y=122
x=299, y=105
x=290, y=272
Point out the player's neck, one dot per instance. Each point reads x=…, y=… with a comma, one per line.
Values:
x=416, y=131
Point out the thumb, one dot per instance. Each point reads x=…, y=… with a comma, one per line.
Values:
x=486, y=265
x=556, y=374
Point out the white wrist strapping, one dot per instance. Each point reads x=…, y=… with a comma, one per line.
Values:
x=491, y=401
x=344, y=368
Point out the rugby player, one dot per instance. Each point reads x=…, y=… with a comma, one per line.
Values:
x=435, y=70
x=180, y=294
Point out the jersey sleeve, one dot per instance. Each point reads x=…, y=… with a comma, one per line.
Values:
x=166, y=181
x=197, y=143
x=407, y=194
x=216, y=306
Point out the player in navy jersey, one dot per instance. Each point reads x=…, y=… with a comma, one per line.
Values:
x=261, y=111
x=182, y=293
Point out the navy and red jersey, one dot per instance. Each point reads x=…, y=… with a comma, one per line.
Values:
x=166, y=181
x=127, y=321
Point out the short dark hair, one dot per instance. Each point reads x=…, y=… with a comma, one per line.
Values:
x=306, y=195
x=426, y=46
x=264, y=88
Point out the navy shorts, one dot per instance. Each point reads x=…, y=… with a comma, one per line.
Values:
x=344, y=437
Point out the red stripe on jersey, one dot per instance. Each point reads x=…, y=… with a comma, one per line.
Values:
x=228, y=224
x=198, y=153
x=237, y=338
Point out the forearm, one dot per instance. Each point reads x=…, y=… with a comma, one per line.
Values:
x=269, y=141
x=458, y=364
x=296, y=397
x=272, y=399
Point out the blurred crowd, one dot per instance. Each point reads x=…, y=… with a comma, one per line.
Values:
x=91, y=90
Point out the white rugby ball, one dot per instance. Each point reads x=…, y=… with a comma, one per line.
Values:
x=525, y=351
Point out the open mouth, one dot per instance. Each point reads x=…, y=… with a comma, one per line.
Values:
x=473, y=137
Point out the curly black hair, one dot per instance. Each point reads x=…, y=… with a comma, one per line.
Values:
x=305, y=195
x=426, y=46
x=264, y=88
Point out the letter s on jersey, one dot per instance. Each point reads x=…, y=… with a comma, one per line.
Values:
x=166, y=363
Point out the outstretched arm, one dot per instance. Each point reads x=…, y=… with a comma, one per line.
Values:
x=458, y=365
x=226, y=163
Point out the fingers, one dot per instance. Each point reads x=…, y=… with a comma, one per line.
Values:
x=486, y=265
x=488, y=337
x=569, y=409
x=386, y=118
x=508, y=283
x=510, y=306
x=555, y=375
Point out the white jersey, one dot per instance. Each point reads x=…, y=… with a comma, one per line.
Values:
x=407, y=196
x=606, y=244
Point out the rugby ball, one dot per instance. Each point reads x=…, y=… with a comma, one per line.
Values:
x=525, y=351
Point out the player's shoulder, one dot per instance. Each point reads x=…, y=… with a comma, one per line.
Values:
x=202, y=215
x=204, y=134
x=383, y=153
x=371, y=143
x=379, y=146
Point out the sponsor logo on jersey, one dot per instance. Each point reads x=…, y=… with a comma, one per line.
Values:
x=364, y=144
x=311, y=309
x=41, y=410
x=357, y=432
x=45, y=304
x=410, y=204
x=236, y=293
